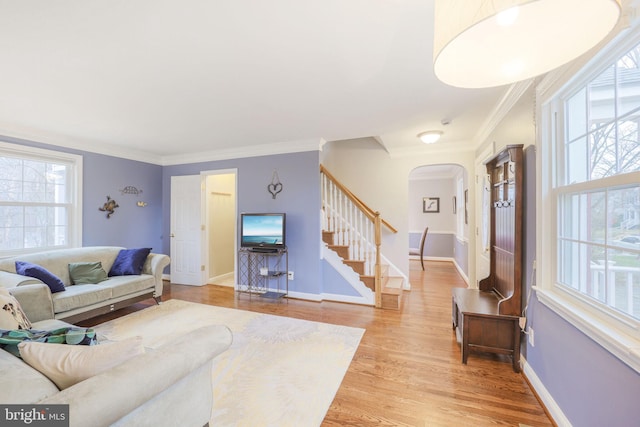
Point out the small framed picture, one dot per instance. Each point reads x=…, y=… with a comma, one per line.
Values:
x=455, y=207
x=466, y=206
x=431, y=204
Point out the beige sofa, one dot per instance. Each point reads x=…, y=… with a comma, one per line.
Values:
x=79, y=302
x=168, y=386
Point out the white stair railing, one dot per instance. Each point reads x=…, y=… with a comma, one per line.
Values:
x=355, y=225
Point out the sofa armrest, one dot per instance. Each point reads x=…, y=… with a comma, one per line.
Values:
x=35, y=300
x=11, y=280
x=138, y=380
x=155, y=265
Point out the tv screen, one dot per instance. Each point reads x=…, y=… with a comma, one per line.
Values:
x=262, y=230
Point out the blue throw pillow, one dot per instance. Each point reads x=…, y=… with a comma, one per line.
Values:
x=129, y=262
x=38, y=272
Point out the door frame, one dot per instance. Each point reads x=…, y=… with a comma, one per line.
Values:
x=173, y=250
x=205, y=218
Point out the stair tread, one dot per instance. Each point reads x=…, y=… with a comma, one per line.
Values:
x=394, y=282
x=391, y=291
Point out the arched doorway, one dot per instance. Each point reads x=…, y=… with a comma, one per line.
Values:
x=439, y=199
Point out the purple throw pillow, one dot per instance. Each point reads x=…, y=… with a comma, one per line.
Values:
x=38, y=272
x=129, y=262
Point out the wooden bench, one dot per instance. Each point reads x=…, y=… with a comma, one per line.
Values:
x=480, y=327
x=487, y=319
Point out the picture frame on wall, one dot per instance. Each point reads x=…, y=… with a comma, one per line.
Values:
x=455, y=207
x=431, y=204
x=466, y=204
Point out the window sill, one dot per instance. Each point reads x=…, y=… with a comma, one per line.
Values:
x=594, y=325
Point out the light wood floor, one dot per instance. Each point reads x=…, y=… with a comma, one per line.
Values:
x=407, y=369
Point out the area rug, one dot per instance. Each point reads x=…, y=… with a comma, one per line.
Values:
x=279, y=371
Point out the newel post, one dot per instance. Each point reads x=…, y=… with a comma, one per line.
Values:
x=378, y=273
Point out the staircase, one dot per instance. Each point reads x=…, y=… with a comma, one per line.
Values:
x=352, y=230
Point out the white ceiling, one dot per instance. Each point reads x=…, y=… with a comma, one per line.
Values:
x=168, y=79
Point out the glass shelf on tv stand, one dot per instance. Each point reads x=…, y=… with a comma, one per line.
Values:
x=263, y=272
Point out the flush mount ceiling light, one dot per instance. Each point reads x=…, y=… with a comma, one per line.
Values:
x=430, y=136
x=482, y=43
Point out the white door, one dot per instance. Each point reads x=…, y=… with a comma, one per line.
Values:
x=186, y=230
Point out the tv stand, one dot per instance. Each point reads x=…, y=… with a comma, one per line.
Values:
x=263, y=250
x=263, y=272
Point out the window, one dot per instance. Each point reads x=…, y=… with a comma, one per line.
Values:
x=40, y=203
x=593, y=214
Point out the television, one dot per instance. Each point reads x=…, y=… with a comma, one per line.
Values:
x=262, y=231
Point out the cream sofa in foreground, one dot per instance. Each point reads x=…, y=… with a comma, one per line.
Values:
x=168, y=386
x=79, y=302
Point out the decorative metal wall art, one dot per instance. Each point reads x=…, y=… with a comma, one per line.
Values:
x=130, y=189
x=276, y=186
x=109, y=207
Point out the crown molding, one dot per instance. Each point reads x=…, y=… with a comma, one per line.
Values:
x=97, y=147
x=46, y=138
x=313, y=144
x=500, y=110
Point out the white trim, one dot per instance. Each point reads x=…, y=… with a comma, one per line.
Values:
x=603, y=331
x=444, y=259
x=367, y=296
x=500, y=110
x=75, y=161
x=547, y=400
x=349, y=299
x=617, y=336
x=313, y=144
x=451, y=233
x=100, y=147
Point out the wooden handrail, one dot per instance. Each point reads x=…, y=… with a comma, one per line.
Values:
x=370, y=213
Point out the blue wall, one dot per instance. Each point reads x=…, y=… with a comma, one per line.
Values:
x=129, y=226
x=133, y=226
x=299, y=199
x=591, y=386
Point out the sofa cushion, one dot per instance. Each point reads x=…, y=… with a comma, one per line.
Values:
x=79, y=296
x=68, y=365
x=9, y=340
x=36, y=271
x=20, y=383
x=11, y=314
x=125, y=285
x=129, y=262
x=86, y=272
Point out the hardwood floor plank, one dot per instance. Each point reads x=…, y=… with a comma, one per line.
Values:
x=407, y=370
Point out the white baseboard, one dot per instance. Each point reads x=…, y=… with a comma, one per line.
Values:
x=445, y=259
x=330, y=297
x=223, y=280
x=554, y=410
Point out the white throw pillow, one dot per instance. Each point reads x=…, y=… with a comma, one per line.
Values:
x=11, y=315
x=67, y=365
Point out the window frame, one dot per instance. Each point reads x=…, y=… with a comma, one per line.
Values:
x=74, y=220
x=614, y=331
